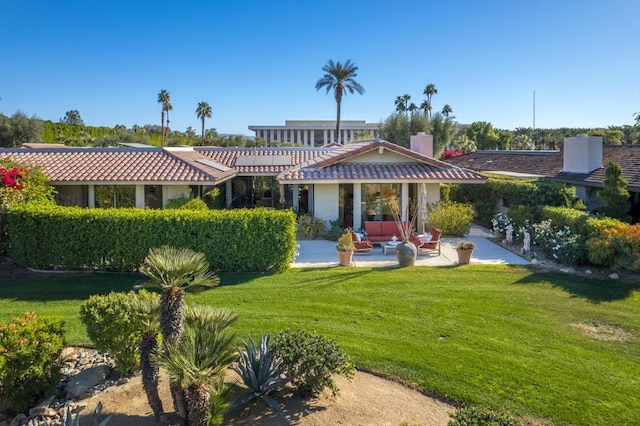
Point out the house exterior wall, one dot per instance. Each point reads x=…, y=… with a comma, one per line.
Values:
x=173, y=191
x=325, y=201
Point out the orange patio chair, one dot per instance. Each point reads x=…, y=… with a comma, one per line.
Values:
x=432, y=245
x=362, y=245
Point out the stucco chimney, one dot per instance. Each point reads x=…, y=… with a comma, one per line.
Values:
x=422, y=143
x=582, y=154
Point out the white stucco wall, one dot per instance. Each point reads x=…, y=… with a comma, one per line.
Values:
x=582, y=154
x=325, y=202
x=173, y=191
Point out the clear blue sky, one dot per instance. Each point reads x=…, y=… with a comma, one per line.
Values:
x=256, y=62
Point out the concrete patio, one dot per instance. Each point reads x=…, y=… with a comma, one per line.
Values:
x=322, y=253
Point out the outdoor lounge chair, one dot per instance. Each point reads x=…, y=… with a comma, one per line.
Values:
x=432, y=245
x=362, y=245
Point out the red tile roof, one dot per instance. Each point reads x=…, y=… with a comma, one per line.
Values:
x=112, y=165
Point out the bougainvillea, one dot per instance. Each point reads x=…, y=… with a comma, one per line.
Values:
x=11, y=177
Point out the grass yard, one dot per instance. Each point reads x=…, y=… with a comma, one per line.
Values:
x=550, y=346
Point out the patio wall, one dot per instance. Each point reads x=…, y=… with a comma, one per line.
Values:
x=325, y=202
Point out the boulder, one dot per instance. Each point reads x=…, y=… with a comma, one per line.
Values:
x=78, y=385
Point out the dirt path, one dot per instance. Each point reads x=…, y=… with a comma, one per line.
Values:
x=365, y=400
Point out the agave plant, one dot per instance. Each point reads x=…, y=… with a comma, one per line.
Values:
x=260, y=372
x=69, y=420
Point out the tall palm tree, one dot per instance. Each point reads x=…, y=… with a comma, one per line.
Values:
x=203, y=111
x=429, y=91
x=425, y=106
x=176, y=270
x=412, y=108
x=446, y=110
x=163, y=98
x=168, y=107
x=339, y=78
x=198, y=361
x=400, y=105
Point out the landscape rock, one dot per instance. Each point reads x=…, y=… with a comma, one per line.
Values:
x=614, y=276
x=588, y=272
x=78, y=385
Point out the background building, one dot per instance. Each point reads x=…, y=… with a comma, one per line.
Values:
x=316, y=132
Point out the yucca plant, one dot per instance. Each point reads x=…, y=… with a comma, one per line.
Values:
x=198, y=360
x=69, y=420
x=176, y=270
x=261, y=372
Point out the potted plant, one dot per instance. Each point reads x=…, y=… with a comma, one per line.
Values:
x=465, y=249
x=345, y=248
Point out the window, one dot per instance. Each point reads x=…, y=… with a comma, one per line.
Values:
x=115, y=196
x=377, y=199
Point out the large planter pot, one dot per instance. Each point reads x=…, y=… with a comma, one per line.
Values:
x=406, y=252
x=464, y=256
x=345, y=258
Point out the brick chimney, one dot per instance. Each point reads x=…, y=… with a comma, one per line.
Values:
x=422, y=143
x=582, y=154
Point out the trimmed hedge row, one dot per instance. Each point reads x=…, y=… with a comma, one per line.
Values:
x=73, y=238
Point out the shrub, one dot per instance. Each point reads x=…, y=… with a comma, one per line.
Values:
x=452, y=218
x=30, y=348
x=310, y=359
x=477, y=416
x=43, y=237
x=195, y=204
x=500, y=222
x=618, y=246
x=336, y=229
x=562, y=216
x=561, y=243
x=113, y=326
x=309, y=226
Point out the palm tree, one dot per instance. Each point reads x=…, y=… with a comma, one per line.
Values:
x=339, y=77
x=168, y=107
x=198, y=361
x=176, y=270
x=203, y=111
x=429, y=91
x=400, y=105
x=163, y=98
x=446, y=110
x=412, y=108
x=425, y=106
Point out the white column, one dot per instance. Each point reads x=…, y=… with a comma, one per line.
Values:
x=298, y=140
x=270, y=135
x=165, y=195
x=280, y=135
x=91, y=196
x=352, y=134
x=140, y=196
x=357, y=206
x=313, y=136
x=345, y=138
x=229, y=193
x=405, y=201
x=305, y=136
x=333, y=136
x=325, y=138
x=296, y=194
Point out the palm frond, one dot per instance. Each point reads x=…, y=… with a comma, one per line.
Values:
x=168, y=266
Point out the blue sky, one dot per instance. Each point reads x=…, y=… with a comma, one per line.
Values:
x=257, y=62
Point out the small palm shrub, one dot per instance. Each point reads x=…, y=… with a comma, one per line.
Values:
x=30, y=350
x=452, y=218
x=310, y=359
x=261, y=372
x=114, y=327
x=309, y=226
x=477, y=416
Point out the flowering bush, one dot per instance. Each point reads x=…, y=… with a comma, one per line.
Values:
x=560, y=243
x=500, y=222
x=451, y=153
x=12, y=176
x=29, y=360
x=617, y=246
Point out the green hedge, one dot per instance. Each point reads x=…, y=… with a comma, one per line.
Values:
x=73, y=238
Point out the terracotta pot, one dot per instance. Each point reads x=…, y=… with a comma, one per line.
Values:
x=406, y=253
x=464, y=256
x=345, y=258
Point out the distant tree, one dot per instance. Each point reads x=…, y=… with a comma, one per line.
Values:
x=522, y=142
x=19, y=129
x=425, y=106
x=401, y=104
x=483, y=134
x=72, y=117
x=191, y=134
x=636, y=117
x=463, y=143
x=163, y=100
x=527, y=131
x=429, y=91
x=398, y=128
x=412, y=108
x=339, y=77
x=443, y=130
x=614, y=197
x=203, y=111
x=446, y=110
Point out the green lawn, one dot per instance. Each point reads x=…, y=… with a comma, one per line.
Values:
x=494, y=335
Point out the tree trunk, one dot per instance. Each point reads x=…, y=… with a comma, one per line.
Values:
x=150, y=373
x=172, y=314
x=338, y=103
x=179, y=400
x=162, y=127
x=202, y=141
x=198, y=402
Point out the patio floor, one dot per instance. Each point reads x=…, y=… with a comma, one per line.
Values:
x=322, y=253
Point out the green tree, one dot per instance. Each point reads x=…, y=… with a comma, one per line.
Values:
x=398, y=128
x=425, y=106
x=614, y=197
x=462, y=142
x=163, y=100
x=446, y=110
x=203, y=111
x=72, y=117
x=341, y=79
x=443, y=130
x=19, y=129
x=522, y=142
x=401, y=104
x=429, y=91
x=412, y=108
x=483, y=134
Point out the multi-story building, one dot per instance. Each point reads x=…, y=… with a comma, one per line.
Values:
x=316, y=132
